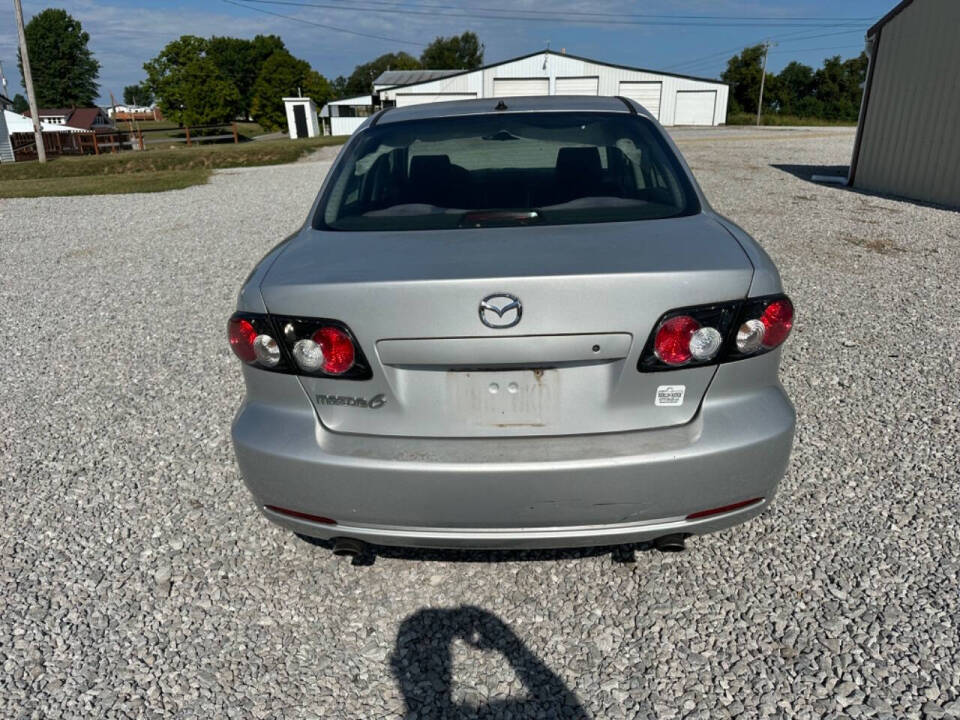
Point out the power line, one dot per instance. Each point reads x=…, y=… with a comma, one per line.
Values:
x=596, y=13
x=324, y=26
x=586, y=19
x=789, y=38
x=835, y=47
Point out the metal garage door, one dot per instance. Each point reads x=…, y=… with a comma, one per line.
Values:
x=512, y=87
x=695, y=107
x=577, y=85
x=645, y=93
x=418, y=98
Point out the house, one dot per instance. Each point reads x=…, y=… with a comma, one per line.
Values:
x=85, y=118
x=12, y=123
x=134, y=112
x=908, y=137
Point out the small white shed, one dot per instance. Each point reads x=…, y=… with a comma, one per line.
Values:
x=301, y=117
x=343, y=117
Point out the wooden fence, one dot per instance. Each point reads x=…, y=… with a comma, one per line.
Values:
x=191, y=135
x=72, y=143
x=103, y=141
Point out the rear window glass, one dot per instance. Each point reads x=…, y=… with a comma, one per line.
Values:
x=509, y=169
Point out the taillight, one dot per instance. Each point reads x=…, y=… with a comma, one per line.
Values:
x=337, y=347
x=672, y=342
x=300, y=346
x=777, y=321
x=722, y=332
x=242, y=334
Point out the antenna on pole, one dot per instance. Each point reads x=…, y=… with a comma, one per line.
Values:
x=763, y=76
x=28, y=84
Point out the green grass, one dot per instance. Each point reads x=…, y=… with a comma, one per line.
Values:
x=151, y=171
x=774, y=119
x=157, y=130
x=104, y=184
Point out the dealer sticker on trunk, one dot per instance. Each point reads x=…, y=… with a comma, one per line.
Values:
x=670, y=395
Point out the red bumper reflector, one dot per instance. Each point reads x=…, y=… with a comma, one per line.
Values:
x=724, y=509
x=301, y=515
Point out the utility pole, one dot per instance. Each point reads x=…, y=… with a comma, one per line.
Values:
x=763, y=77
x=28, y=81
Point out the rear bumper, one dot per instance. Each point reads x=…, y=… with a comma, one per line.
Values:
x=517, y=492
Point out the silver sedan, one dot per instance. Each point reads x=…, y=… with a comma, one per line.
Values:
x=512, y=325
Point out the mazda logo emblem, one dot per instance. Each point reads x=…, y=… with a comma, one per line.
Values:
x=500, y=311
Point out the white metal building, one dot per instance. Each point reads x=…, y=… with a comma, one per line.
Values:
x=342, y=117
x=672, y=99
x=908, y=138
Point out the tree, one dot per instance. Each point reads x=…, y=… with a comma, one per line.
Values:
x=242, y=60
x=282, y=76
x=361, y=80
x=453, y=53
x=64, y=70
x=190, y=87
x=137, y=94
x=792, y=89
x=838, y=87
x=339, y=86
x=20, y=104
x=743, y=74
x=206, y=95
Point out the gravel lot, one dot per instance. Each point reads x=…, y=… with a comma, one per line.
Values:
x=136, y=579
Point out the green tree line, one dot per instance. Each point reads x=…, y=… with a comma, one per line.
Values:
x=198, y=80
x=831, y=92
x=459, y=52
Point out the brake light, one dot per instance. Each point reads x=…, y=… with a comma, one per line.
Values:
x=301, y=346
x=722, y=332
x=777, y=321
x=672, y=344
x=242, y=334
x=337, y=349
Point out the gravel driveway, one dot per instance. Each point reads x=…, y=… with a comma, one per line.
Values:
x=136, y=579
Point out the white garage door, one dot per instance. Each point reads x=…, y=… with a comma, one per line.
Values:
x=577, y=85
x=513, y=87
x=695, y=107
x=645, y=93
x=418, y=98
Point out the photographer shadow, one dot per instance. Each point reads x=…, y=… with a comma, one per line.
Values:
x=422, y=662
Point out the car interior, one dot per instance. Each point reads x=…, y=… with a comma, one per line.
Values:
x=394, y=179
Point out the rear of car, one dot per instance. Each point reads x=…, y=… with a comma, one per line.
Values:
x=513, y=327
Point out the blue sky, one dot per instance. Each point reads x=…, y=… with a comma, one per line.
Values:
x=125, y=33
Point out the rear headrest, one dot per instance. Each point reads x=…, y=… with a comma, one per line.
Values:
x=578, y=162
x=424, y=168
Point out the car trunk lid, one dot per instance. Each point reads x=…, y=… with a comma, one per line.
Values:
x=589, y=297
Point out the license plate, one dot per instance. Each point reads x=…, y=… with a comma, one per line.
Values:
x=504, y=398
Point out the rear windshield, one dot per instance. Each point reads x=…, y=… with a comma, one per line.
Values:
x=509, y=169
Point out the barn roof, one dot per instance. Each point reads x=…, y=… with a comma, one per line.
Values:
x=406, y=77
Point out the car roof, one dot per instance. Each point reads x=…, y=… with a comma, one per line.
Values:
x=484, y=106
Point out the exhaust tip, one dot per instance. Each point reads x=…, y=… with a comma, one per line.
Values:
x=349, y=547
x=671, y=543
